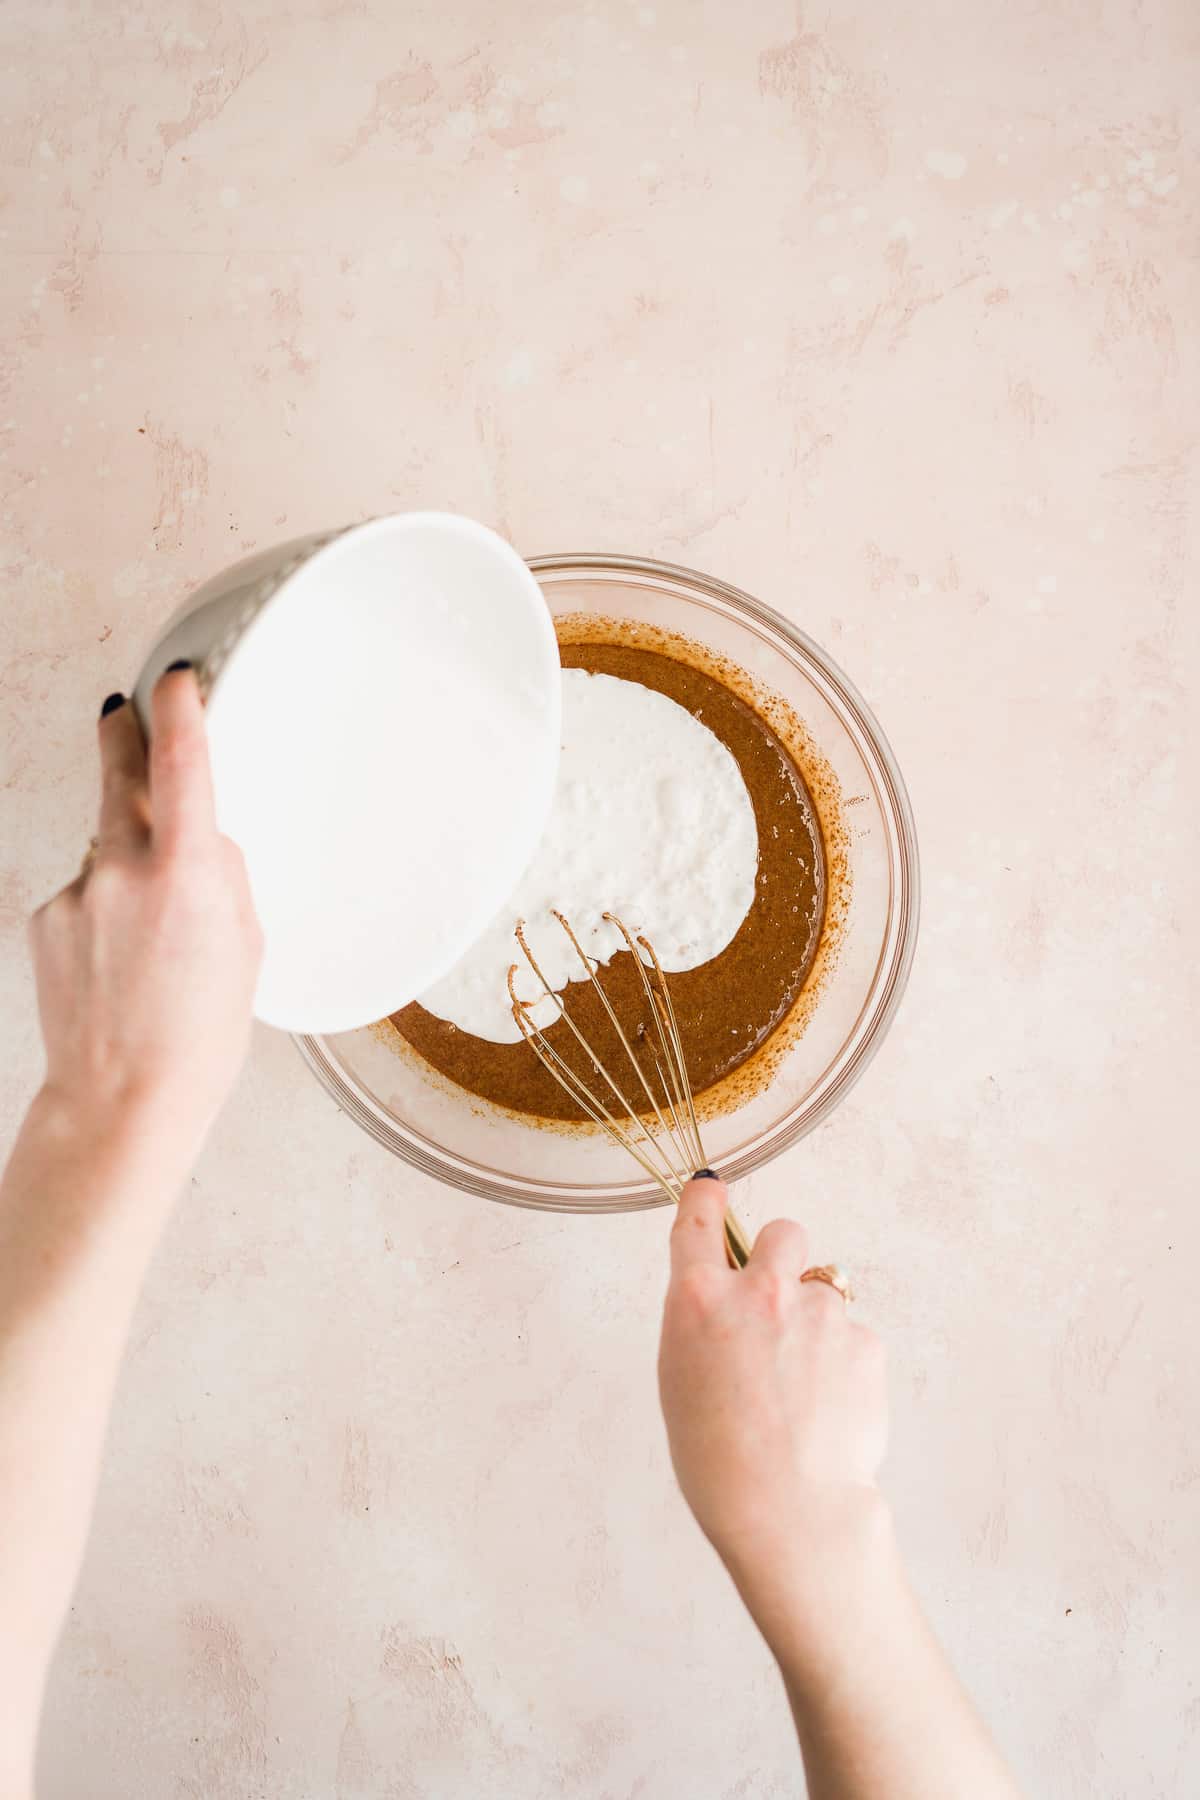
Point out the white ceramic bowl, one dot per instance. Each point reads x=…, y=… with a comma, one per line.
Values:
x=383, y=710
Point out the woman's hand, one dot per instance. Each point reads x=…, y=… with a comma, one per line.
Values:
x=146, y=964
x=776, y=1412
x=145, y=968
x=775, y=1401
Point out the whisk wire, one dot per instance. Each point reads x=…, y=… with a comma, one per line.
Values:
x=599, y=1115
x=671, y=1127
x=563, y=1014
x=665, y=1003
x=672, y=1154
x=675, y=1074
x=574, y=1084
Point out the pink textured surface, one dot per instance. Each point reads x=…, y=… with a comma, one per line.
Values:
x=888, y=315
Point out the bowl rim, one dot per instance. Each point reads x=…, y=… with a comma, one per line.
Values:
x=884, y=993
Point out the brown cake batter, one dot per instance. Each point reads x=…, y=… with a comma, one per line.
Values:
x=728, y=1007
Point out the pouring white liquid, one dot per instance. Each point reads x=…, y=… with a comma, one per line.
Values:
x=651, y=820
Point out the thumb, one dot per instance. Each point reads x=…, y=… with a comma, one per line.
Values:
x=698, y=1234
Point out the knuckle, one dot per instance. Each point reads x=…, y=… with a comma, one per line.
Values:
x=787, y=1231
x=685, y=1227
x=783, y=1239
x=174, y=747
x=695, y=1288
x=774, y=1292
x=180, y=885
x=106, y=889
x=173, y=862
x=825, y=1311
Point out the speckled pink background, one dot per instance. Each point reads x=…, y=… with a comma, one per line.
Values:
x=889, y=315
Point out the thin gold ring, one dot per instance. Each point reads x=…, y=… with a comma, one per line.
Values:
x=833, y=1277
x=89, y=857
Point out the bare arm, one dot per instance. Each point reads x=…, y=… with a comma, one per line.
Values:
x=775, y=1405
x=145, y=973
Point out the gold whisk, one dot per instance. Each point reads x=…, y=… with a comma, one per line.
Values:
x=663, y=1134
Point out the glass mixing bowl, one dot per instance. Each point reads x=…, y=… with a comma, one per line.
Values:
x=446, y=1132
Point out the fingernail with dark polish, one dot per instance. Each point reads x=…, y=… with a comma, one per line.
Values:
x=706, y=1175
x=111, y=705
x=174, y=668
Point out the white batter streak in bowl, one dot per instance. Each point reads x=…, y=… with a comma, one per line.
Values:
x=651, y=820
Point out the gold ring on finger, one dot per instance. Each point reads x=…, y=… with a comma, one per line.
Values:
x=833, y=1277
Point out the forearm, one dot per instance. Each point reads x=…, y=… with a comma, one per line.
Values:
x=81, y=1206
x=877, y=1708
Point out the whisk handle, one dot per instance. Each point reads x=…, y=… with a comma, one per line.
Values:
x=737, y=1246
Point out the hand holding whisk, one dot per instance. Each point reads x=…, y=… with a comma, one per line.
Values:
x=658, y=1126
